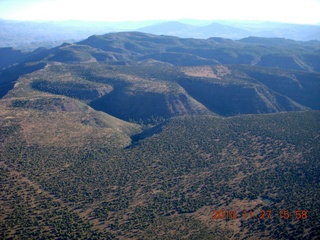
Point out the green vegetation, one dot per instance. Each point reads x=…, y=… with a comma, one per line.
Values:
x=130, y=147
x=179, y=176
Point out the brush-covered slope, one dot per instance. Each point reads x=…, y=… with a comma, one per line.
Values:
x=137, y=76
x=73, y=165
x=234, y=92
x=46, y=118
x=178, y=51
x=140, y=92
x=118, y=91
x=169, y=184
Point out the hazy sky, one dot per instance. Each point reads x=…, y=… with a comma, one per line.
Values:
x=294, y=11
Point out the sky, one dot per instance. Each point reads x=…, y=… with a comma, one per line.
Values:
x=291, y=11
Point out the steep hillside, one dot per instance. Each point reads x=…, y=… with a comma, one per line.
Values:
x=137, y=136
x=45, y=115
x=144, y=91
x=153, y=88
x=292, y=84
x=10, y=56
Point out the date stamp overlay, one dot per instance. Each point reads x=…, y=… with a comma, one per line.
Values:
x=263, y=215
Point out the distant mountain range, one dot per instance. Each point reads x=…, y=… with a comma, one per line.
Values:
x=186, y=30
x=31, y=35
x=234, y=30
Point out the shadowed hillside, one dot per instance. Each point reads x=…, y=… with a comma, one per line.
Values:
x=138, y=136
x=137, y=76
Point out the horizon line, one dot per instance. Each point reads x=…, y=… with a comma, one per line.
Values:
x=157, y=20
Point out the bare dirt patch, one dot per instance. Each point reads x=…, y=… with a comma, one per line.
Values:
x=206, y=71
x=201, y=71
